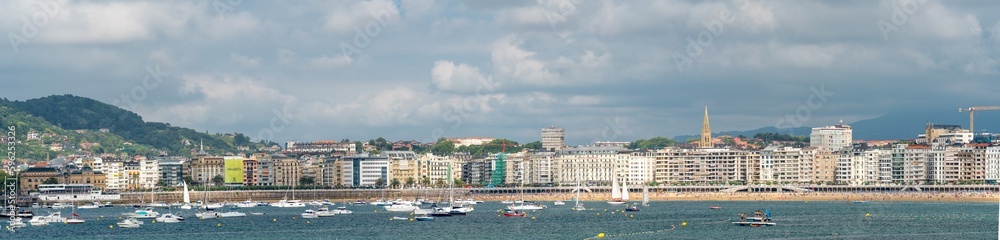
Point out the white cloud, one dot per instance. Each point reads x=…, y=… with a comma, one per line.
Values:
x=244, y=60
x=450, y=77
x=345, y=19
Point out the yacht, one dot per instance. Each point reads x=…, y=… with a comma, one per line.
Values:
x=341, y=210
x=38, y=221
x=94, y=205
x=232, y=213
x=62, y=205
x=559, y=203
x=55, y=217
x=143, y=213
x=208, y=214
x=169, y=218
x=526, y=206
x=284, y=203
x=324, y=212
x=309, y=213
x=74, y=220
x=460, y=209
x=129, y=223
x=246, y=204
x=400, y=208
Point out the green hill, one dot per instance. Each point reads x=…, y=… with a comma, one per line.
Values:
x=61, y=114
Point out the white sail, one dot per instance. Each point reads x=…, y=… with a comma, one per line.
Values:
x=645, y=195
x=624, y=192
x=187, y=196
x=615, y=193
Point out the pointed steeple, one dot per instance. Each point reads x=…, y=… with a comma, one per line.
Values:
x=201, y=149
x=706, y=133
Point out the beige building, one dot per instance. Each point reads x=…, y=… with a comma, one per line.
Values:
x=706, y=166
x=287, y=171
x=824, y=166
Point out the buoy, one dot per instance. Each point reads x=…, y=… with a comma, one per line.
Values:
x=390, y=219
x=600, y=235
x=218, y=224
x=532, y=217
x=631, y=216
x=274, y=220
x=307, y=222
x=376, y=210
x=605, y=210
x=411, y=219
x=119, y=217
x=293, y=217
x=868, y=215
x=598, y=214
x=111, y=226
x=154, y=221
x=684, y=224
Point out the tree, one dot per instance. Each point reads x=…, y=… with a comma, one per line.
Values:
x=187, y=180
x=426, y=181
x=380, y=182
x=218, y=180
x=307, y=180
x=443, y=147
x=459, y=182
x=51, y=180
x=652, y=143
x=394, y=183
x=536, y=145
x=439, y=182
x=409, y=181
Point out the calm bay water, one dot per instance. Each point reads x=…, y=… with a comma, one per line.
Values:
x=796, y=220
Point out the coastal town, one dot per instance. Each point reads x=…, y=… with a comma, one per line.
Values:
x=938, y=155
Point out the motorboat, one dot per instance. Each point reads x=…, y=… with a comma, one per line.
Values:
x=288, y=203
x=758, y=220
x=632, y=208
x=424, y=218
x=324, y=212
x=55, y=217
x=212, y=206
x=147, y=212
x=62, y=205
x=209, y=214
x=400, y=218
x=559, y=203
x=263, y=204
x=38, y=221
x=715, y=207
x=89, y=206
x=341, y=210
x=400, y=208
x=460, y=210
x=314, y=203
x=379, y=203
x=527, y=206
x=506, y=202
x=359, y=202
x=514, y=213
x=232, y=213
x=256, y=213
x=21, y=213
x=169, y=218
x=309, y=213
x=440, y=212
x=129, y=223
x=246, y=204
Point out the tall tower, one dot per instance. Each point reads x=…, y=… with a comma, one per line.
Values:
x=706, y=133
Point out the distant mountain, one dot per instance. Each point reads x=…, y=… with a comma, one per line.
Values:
x=800, y=131
x=894, y=125
x=74, y=113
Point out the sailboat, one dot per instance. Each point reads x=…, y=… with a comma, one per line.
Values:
x=645, y=196
x=209, y=209
x=285, y=203
x=579, y=188
x=187, y=197
x=617, y=198
x=525, y=205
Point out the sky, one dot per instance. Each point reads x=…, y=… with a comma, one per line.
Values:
x=420, y=70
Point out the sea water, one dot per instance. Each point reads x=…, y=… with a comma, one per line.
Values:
x=660, y=220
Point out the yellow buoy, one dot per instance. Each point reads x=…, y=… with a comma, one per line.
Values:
x=376, y=210
x=274, y=220
x=294, y=217
x=119, y=217
x=598, y=214
x=532, y=217
x=631, y=216
x=600, y=235
x=411, y=219
x=868, y=215
x=218, y=224
x=390, y=219
x=111, y=226
x=154, y=221
x=307, y=222
x=684, y=224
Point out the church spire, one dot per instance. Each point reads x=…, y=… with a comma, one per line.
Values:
x=706, y=133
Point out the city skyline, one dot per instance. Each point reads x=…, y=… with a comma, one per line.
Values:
x=423, y=70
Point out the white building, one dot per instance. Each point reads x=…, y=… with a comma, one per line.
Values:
x=993, y=164
x=831, y=138
x=553, y=138
x=945, y=135
x=149, y=173
x=599, y=164
x=365, y=170
x=540, y=167
x=640, y=167
x=114, y=172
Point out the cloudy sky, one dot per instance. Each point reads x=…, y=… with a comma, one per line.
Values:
x=603, y=70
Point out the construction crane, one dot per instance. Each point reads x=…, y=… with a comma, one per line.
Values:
x=972, y=114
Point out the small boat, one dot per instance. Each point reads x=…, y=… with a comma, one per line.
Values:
x=89, y=206
x=400, y=208
x=359, y=202
x=55, y=217
x=859, y=201
x=400, y=218
x=129, y=223
x=440, y=212
x=527, y=206
x=309, y=213
x=256, y=213
x=424, y=218
x=324, y=212
x=341, y=210
x=559, y=203
x=74, y=220
x=758, y=220
x=206, y=214
x=38, y=221
x=507, y=202
x=715, y=207
x=513, y=213
x=632, y=208
x=169, y=218
x=108, y=204
x=232, y=213
x=143, y=213
x=21, y=213
x=62, y=205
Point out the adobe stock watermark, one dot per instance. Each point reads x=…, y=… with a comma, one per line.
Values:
x=48, y=9
x=457, y=113
x=279, y=121
x=613, y=129
x=902, y=11
x=154, y=76
x=714, y=28
x=362, y=38
x=222, y=7
x=804, y=112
